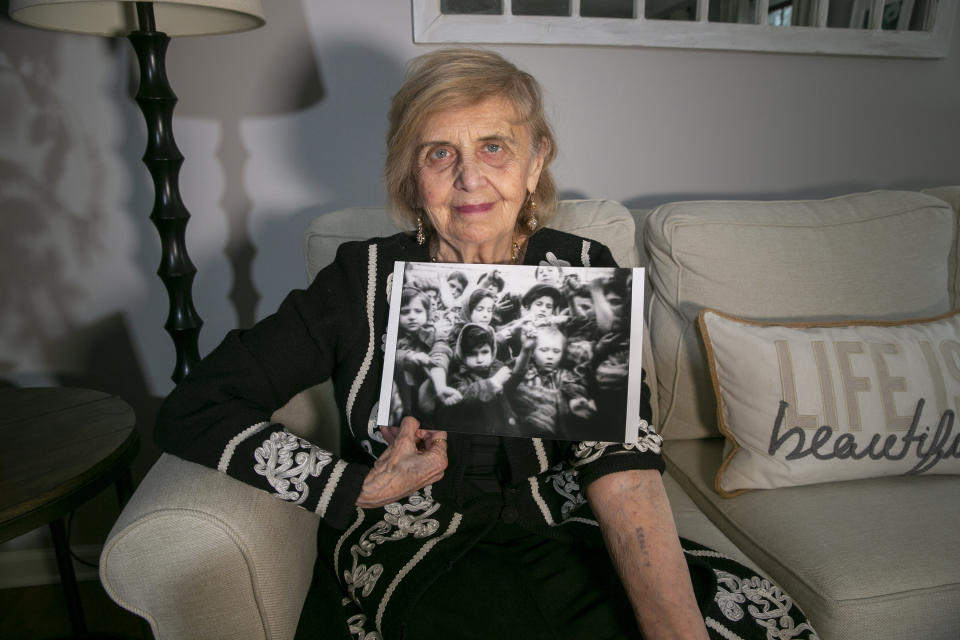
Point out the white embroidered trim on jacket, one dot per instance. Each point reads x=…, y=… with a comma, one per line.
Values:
x=541, y=454
x=589, y=450
x=346, y=534
x=766, y=604
x=725, y=633
x=235, y=442
x=371, y=342
x=356, y=625
x=285, y=460
x=400, y=519
x=544, y=509
x=417, y=557
x=328, y=490
x=565, y=483
x=585, y=253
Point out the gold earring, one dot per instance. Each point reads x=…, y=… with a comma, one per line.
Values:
x=532, y=222
x=421, y=238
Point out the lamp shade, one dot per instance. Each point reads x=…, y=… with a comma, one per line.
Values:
x=119, y=17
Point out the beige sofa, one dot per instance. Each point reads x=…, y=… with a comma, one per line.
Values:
x=201, y=556
x=870, y=558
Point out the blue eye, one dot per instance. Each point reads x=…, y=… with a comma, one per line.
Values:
x=439, y=157
x=492, y=147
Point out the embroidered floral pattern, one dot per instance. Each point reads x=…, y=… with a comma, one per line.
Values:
x=766, y=603
x=400, y=519
x=356, y=624
x=565, y=483
x=647, y=440
x=589, y=450
x=286, y=462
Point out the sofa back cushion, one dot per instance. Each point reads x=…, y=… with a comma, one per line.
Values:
x=887, y=255
x=605, y=221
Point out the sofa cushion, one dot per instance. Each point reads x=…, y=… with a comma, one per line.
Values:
x=870, y=558
x=605, y=221
x=801, y=403
x=880, y=255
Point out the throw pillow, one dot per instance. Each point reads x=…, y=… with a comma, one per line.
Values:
x=801, y=403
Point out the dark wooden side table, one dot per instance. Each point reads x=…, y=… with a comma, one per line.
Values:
x=60, y=447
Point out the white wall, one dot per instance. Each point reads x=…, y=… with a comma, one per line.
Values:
x=285, y=123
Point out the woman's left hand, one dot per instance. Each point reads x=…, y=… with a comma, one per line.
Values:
x=414, y=458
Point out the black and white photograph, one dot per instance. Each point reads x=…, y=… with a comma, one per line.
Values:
x=524, y=351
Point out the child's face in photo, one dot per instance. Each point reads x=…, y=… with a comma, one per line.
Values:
x=541, y=307
x=548, y=275
x=584, y=306
x=413, y=315
x=455, y=287
x=480, y=359
x=615, y=302
x=482, y=312
x=434, y=296
x=549, y=350
x=579, y=351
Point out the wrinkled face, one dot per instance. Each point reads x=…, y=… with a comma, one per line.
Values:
x=482, y=313
x=480, y=359
x=541, y=307
x=413, y=315
x=549, y=350
x=584, y=306
x=475, y=167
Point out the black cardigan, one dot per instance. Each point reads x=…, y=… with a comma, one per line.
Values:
x=219, y=416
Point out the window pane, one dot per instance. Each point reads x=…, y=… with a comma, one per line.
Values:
x=485, y=7
x=738, y=11
x=897, y=15
x=670, y=10
x=541, y=7
x=780, y=14
x=606, y=8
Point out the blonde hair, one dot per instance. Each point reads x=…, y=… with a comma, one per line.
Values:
x=451, y=79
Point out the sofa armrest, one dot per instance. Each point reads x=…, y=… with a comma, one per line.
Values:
x=201, y=555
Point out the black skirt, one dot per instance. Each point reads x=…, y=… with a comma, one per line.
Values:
x=513, y=583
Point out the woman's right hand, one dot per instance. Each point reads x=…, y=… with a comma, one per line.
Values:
x=414, y=458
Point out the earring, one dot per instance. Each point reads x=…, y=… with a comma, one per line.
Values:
x=532, y=222
x=420, y=237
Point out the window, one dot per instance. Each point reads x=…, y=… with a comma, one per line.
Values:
x=895, y=28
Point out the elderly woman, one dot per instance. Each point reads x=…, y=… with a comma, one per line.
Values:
x=426, y=534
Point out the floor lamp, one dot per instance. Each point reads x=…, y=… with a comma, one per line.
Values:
x=148, y=26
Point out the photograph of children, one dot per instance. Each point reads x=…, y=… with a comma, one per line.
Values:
x=526, y=351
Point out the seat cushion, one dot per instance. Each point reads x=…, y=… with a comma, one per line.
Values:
x=888, y=255
x=874, y=558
